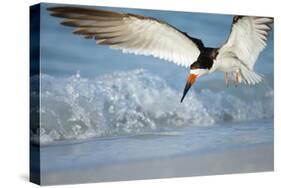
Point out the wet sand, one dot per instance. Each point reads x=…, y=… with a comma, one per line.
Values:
x=258, y=158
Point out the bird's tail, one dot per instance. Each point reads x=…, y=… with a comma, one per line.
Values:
x=250, y=77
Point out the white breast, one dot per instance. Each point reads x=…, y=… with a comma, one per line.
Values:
x=199, y=72
x=226, y=64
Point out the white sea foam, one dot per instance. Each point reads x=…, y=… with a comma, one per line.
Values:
x=137, y=101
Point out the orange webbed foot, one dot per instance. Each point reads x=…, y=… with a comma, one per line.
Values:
x=226, y=79
x=236, y=79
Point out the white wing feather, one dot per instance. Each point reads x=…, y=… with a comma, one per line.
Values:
x=132, y=34
x=247, y=39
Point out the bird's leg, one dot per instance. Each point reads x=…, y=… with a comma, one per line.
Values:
x=236, y=78
x=226, y=79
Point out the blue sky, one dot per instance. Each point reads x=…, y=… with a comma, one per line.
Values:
x=63, y=53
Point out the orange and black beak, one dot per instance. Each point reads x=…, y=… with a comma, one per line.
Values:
x=190, y=81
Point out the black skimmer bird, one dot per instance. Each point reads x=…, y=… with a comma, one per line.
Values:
x=142, y=35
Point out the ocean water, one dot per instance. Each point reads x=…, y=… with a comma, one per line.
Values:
x=100, y=107
x=135, y=117
x=136, y=102
x=131, y=117
x=93, y=153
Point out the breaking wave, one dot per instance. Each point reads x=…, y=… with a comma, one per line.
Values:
x=137, y=101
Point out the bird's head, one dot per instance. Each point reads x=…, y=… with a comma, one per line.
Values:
x=196, y=70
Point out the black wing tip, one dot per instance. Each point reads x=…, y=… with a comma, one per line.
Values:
x=69, y=9
x=66, y=8
x=236, y=18
x=57, y=8
x=84, y=10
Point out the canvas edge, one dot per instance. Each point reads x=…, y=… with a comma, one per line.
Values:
x=34, y=102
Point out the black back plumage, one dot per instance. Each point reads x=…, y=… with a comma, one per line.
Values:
x=206, y=59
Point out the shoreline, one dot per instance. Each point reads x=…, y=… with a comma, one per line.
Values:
x=258, y=158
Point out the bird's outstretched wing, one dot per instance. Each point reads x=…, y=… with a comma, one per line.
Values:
x=132, y=33
x=247, y=38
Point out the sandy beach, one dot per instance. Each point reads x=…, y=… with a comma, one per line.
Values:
x=257, y=158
